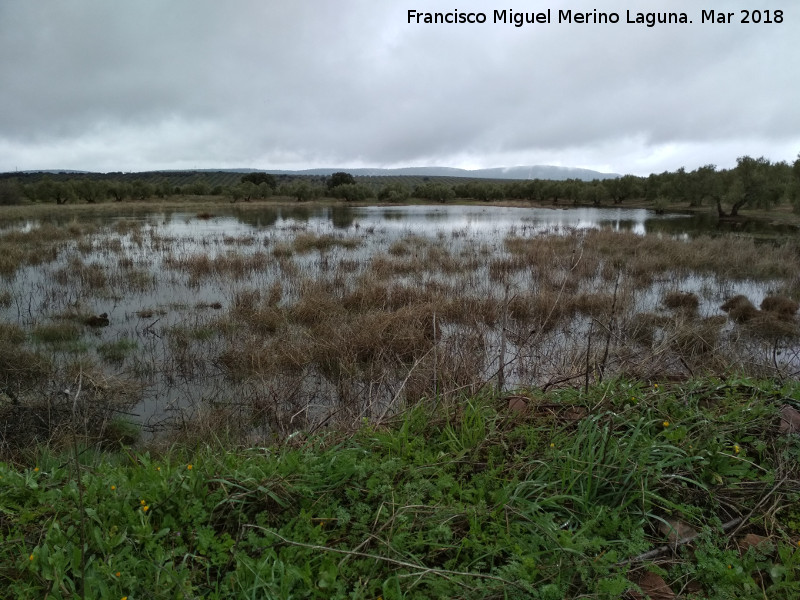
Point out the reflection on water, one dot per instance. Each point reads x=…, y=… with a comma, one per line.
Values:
x=171, y=283
x=424, y=220
x=479, y=220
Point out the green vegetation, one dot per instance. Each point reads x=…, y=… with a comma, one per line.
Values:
x=117, y=351
x=63, y=332
x=361, y=391
x=565, y=495
x=755, y=183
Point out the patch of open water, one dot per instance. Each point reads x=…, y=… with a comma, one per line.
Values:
x=167, y=298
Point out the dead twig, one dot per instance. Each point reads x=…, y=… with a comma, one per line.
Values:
x=671, y=547
x=423, y=570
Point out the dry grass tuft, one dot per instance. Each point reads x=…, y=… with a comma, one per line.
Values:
x=596, y=304
x=774, y=326
x=20, y=369
x=59, y=332
x=694, y=338
x=307, y=242
x=54, y=418
x=681, y=300
x=780, y=305
x=641, y=328
x=740, y=309
x=316, y=305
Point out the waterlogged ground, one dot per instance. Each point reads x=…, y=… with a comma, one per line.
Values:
x=275, y=319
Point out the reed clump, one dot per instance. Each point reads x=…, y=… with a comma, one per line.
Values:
x=469, y=309
x=59, y=332
x=780, y=305
x=20, y=369
x=676, y=300
x=307, y=242
x=773, y=326
x=230, y=264
x=599, y=305
x=316, y=305
x=85, y=404
x=692, y=338
x=739, y=308
x=642, y=327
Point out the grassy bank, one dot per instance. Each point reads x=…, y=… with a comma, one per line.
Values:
x=561, y=495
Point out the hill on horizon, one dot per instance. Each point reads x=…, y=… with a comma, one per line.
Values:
x=519, y=172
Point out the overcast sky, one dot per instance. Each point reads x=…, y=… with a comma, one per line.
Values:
x=181, y=84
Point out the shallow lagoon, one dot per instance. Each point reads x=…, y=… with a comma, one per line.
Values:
x=193, y=300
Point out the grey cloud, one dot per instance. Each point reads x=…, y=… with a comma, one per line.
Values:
x=100, y=85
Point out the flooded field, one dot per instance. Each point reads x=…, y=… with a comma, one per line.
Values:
x=271, y=320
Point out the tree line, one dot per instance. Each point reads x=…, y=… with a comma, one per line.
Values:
x=752, y=183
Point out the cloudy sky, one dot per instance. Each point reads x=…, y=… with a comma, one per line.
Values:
x=181, y=84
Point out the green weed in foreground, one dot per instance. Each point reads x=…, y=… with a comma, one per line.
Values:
x=465, y=502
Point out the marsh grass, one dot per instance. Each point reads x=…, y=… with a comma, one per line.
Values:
x=21, y=370
x=687, y=301
x=307, y=242
x=362, y=323
x=740, y=308
x=80, y=390
x=234, y=265
x=59, y=332
x=117, y=351
x=464, y=498
x=780, y=305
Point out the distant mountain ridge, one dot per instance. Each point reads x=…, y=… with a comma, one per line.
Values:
x=521, y=172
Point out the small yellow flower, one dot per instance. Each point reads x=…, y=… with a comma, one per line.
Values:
x=736, y=448
x=117, y=573
x=142, y=502
x=552, y=445
x=730, y=566
x=113, y=487
x=30, y=557
x=36, y=470
x=158, y=468
x=189, y=467
x=655, y=386
x=665, y=423
x=124, y=598
x=145, y=508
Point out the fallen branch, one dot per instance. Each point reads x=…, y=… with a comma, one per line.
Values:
x=667, y=547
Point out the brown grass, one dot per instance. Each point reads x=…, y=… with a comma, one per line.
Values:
x=740, y=309
x=695, y=337
x=231, y=264
x=307, y=242
x=773, y=326
x=780, y=305
x=681, y=300
x=420, y=317
x=54, y=419
x=641, y=328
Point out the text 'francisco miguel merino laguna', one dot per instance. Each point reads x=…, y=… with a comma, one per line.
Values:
x=650, y=19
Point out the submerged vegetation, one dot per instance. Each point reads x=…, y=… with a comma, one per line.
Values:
x=270, y=325
x=625, y=487
x=273, y=406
